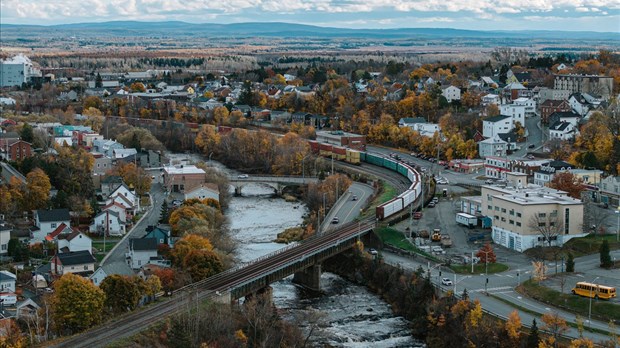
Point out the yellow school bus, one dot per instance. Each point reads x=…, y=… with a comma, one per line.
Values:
x=594, y=290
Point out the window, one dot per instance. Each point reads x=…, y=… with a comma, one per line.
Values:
x=542, y=215
x=86, y=267
x=54, y=225
x=541, y=224
x=503, y=210
x=496, y=217
x=489, y=207
x=512, y=212
x=518, y=224
x=512, y=222
x=496, y=208
x=518, y=215
x=503, y=219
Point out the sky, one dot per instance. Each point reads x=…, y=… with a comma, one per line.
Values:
x=570, y=15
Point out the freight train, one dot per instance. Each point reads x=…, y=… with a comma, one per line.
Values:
x=394, y=205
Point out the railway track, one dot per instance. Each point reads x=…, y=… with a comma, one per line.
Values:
x=134, y=322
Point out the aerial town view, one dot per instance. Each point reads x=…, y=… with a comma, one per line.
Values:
x=318, y=173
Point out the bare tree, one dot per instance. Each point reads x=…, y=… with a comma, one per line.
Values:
x=594, y=218
x=548, y=225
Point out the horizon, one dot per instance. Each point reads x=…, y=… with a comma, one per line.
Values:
x=569, y=30
x=493, y=15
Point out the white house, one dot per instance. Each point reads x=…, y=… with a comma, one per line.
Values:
x=562, y=130
x=118, y=208
x=410, y=121
x=496, y=167
x=7, y=281
x=528, y=103
x=516, y=112
x=46, y=221
x=130, y=196
x=141, y=251
x=496, y=125
x=203, y=191
x=426, y=129
x=107, y=222
x=545, y=174
x=490, y=99
x=582, y=103
x=451, y=93
x=75, y=241
x=79, y=262
x=5, y=237
x=122, y=153
x=610, y=191
x=493, y=146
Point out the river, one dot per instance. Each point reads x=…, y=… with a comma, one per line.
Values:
x=353, y=316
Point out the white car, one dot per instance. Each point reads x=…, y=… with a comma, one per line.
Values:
x=372, y=251
x=446, y=282
x=242, y=176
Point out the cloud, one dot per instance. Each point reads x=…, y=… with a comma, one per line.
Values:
x=70, y=11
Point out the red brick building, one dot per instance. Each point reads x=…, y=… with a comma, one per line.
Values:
x=551, y=106
x=15, y=149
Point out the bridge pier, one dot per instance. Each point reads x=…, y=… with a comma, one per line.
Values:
x=309, y=278
x=263, y=295
x=238, y=191
x=223, y=297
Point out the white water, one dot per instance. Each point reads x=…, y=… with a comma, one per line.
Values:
x=354, y=317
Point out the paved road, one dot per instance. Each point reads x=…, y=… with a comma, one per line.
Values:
x=115, y=261
x=347, y=209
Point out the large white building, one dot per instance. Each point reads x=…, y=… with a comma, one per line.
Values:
x=496, y=125
x=451, y=93
x=515, y=111
x=493, y=146
x=17, y=71
x=525, y=216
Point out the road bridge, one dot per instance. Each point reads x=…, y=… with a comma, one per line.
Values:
x=279, y=183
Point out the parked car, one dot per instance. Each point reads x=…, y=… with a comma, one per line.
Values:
x=372, y=251
x=242, y=176
x=446, y=282
x=335, y=220
x=431, y=205
x=531, y=146
x=417, y=215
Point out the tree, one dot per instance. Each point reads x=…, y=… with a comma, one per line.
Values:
x=121, y=293
x=486, y=254
x=555, y=325
x=37, y=190
x=186, y=244
x=548, y=225
x=137, y=87
x=27, y=133
x=533, y=338
x=77, y=304
x=568, y=182
x=202, y=263
x=98, y=81
x=513, y=328
x=167, y=278
x=164, y=214
x=570, y=263
x=11, y=334
x=605, y=257
x=246, y=96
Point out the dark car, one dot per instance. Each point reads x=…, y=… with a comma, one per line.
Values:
x=532, y=146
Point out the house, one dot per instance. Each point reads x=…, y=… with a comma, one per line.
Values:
x=123, y=153
x=496, y=125
x=610, y=191
x=108, y=222
x=562, y=130
x=529, y=105
x=545, y=174
x=582, y=103
x=528, y=167
x=130, y=200
x=515, y=90
x=204, y=191
x=545, y=94
x=109, y=184
x=520, y=211
x=566, y=116
x=60, y=230
x=451, y=93
x=588, y=176
x=75, y=241
x=490, y=99
x=591, y=84
x=106, y=147
x=410, y=121
x=182, y=178
x=162, y=236
x=516, y=113
x=493, y=146
x=496, y=167
x=46, y=221
x=15, y=150
x=119, y=209
x=341, y=138
x=111, y=268
x=7, y=281
x=78, y=262
x=5, y=236
x=26, y=309
x=551, y=106
x=141, y=251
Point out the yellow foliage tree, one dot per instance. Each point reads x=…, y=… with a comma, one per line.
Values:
x=188, y=243
x=77, y=304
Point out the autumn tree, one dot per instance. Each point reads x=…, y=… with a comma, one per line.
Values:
x=167, y=278
x=186, y=244
x=37, y=190
x=121, y=293
x=140, y=138
x=137, y=87
x=11, y=336
x=547, y=224
x=202, y=263
x=568, y=182
x=77, y=304
x=556, y=326
x=513, y=329
x=132, y=175
x=486, y=254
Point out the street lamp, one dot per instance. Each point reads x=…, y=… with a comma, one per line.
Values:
x=590, y=305
x=486, y=268
x=618, y=229
x=456, y=282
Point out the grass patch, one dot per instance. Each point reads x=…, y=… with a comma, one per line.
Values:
x=108, y=245
x=601, y=310
x=480, y=268
x=527, y=310
x=396, y=239
x=582, y=246
x=389, y=192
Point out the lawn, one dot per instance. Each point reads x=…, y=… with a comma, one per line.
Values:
x=389, y=192
x=396, y=239
x=587, y=245
x=108, y=245
x=480, y=268
x=601, y=309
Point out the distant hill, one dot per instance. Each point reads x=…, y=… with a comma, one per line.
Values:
x=280, y=29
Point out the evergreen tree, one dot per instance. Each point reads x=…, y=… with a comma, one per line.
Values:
x=135, y=142
x=570, y=263
x=245, y=98
x=532, y=338
x=164, y=214
x=98, y=81
x=605, y=256
x=27, y=133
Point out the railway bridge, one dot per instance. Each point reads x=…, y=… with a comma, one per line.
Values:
x=279, y=183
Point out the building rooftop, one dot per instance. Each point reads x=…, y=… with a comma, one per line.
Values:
x=183, y=169
x=76, y=258
x=53, y=215
x=532, y=195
